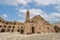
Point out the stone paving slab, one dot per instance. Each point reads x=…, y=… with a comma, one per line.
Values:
x=17, y=36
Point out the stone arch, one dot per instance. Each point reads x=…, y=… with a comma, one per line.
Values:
x=33, y=30
x=2, y=30
x=0, y=20
x=22, y=30
x=6, y=23
x=18, y=30
x=9, y=26
x=57, y=28
x=8, y=30
x=0, y=26
x=3, y=21
x=4, y=26
x=12, y=30
x=13, y=27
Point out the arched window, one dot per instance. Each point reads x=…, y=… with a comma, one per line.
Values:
x=9, y=26
x=57, y=28
x=22, y=28
x=13, y=26
x=4, y=26
x=6, y=23
x=2, y=30
x=18, y=30
x=14, y=23
x=0, y=26
x=0, y=20
x=8, y=30
x=12, y=30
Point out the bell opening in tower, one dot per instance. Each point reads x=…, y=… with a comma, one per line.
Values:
x=27, y=15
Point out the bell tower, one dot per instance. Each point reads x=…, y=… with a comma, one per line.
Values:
x=27, y=16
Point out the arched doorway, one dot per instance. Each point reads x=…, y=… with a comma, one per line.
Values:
x=18, y=30
x=57, y=28
x=33, y=31
x=0, y=26
x=22, y=30
x=12, y=30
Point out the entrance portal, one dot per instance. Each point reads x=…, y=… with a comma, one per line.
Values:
x=33, y=30
x=57, y=29
x=22, y=30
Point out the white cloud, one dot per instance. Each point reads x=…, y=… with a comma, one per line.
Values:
x=49, y=17
x=24, y=2
x=15, y=2
x=55, y=16
x=5, y=15
x=58, y=8
x=52, y=17
x=33, y=12
x=47, y=2
x=22, y=10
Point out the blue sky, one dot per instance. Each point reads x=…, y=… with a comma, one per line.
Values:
x=15, y=9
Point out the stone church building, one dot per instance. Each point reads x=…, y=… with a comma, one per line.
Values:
x=31, y=26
